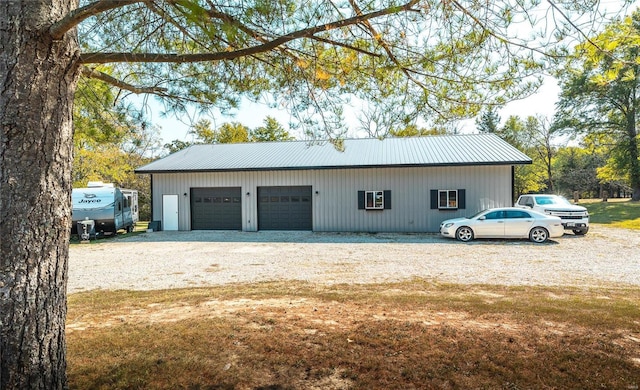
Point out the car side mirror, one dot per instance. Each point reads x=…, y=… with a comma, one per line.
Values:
x=482, y=218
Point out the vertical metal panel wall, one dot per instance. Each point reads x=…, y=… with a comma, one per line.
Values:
x=335, y=191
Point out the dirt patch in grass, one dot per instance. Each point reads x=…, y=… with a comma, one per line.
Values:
x=399, y=336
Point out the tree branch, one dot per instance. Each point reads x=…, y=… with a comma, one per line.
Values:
x=94, y=74
x=555, y=7
x=76, y=16
x=346, y=46
x=101, y=58
x=501, y=38
x=378, y=37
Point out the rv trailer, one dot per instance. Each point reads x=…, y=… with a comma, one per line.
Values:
x=107, y=206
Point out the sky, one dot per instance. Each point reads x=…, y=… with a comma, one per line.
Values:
x=252, y=114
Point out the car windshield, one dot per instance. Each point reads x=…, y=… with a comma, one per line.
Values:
x=551, y=199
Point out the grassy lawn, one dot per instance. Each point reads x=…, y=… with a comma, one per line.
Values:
x=410, y=335
x=616, y=212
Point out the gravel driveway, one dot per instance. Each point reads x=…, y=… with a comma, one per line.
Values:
x=160, y=260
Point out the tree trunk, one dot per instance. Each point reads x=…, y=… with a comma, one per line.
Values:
x=37, y=81
x=632, y=134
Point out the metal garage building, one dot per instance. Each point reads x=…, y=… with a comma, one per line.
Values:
x=391, y=185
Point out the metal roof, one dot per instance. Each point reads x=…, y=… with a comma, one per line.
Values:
x=441, y=150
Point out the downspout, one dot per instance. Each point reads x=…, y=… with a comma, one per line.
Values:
x=151, y=194
x=513, y=184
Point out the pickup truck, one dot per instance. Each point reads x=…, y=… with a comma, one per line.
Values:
x=574, y=217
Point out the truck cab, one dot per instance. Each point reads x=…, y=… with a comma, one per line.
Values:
x=574, y=217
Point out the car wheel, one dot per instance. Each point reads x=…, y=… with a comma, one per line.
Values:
x=464, y=234
x=538, y=234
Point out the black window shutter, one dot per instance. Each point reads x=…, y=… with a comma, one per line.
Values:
x=462, y=199
x=434, y=199
x=387, y=199
x=360, y=200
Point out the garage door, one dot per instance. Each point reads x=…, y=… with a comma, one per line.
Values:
x=218, y=208
x=284, y=208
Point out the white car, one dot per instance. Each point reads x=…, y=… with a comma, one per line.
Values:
x=507, y=222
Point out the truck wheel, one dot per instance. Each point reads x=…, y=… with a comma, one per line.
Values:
x=538, y=234
x=464, y=234
x=580, y=232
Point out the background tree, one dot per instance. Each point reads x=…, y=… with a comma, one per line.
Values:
x=527, y=178
x=203, y=133
x=272, y=130
x=542, y=148
x=437, y=60
x=110, y=140
x=232, y=133
x=489, y=120
x=177, y=145
x=610, y=177
x=600, y=93
x=576, y=169
x=415, y=131
x=227, y=133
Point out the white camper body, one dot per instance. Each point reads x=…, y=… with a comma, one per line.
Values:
x=107, y=206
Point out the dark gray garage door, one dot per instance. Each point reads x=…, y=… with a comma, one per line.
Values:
x=284, y=208
x=218, y=208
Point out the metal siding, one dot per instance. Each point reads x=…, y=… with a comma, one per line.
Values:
x=335, y=206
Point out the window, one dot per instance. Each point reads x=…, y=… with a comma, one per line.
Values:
x=526, y=201
x=374, y=200
x=494, y=215
x=517, y=214
x=448, y=199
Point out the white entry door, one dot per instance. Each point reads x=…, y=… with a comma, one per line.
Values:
x=169, y=212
